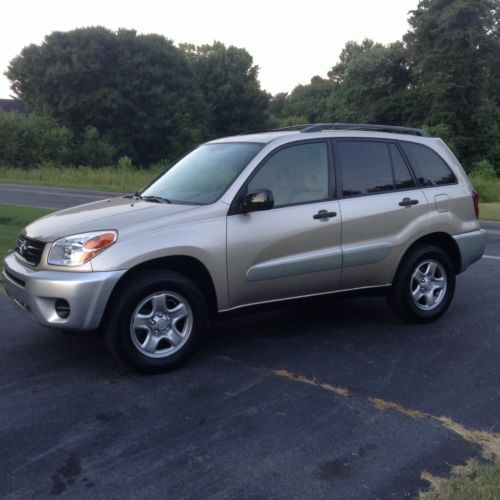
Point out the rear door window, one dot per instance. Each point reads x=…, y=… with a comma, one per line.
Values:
x=370, y=167
x=429, y=167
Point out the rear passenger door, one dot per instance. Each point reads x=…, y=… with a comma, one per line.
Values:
x=381, y=208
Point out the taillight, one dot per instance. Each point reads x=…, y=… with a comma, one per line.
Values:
x=475, y=198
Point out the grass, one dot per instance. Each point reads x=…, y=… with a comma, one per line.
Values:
x=122, y=179
x=490, y=211
x=472, y=481
x=12, y=220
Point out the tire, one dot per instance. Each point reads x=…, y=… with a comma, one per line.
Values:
x=156, y=321
x=424, y=285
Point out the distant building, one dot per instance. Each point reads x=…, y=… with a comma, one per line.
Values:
x=14, y=106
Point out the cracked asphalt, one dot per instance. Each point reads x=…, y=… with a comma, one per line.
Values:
x=277, y=403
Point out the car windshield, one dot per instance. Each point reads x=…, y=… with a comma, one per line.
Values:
x=203, y=175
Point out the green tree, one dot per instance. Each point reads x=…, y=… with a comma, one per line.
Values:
x=305, y=104
x=228, y=80
x=138, y=91
x=453, y=47
x=370, y=84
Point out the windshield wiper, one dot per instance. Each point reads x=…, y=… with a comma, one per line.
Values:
x=156, y=199
x=136, y=195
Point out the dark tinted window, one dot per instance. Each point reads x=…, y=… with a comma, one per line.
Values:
x=429, y=167
x=402, y=176
x=366, y=167
x=297, y=174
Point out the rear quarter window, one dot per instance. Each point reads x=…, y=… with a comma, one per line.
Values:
x=430, y=169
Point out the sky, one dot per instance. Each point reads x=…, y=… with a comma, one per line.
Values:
x=291, y=41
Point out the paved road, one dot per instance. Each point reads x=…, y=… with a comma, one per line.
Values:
x=48, y=197
x=278, y=403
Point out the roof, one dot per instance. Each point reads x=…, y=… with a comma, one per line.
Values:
x=14, y=106
x=331, y=130
x=260, y=137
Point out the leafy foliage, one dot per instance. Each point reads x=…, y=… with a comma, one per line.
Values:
x=138, y=91
x=228, y=80
x=454, y=50
x=96, y=95
x=305, y=104
x=36, y=139
x=370, y=84
x=444, y=76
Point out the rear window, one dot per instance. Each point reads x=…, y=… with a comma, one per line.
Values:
x=429, y=167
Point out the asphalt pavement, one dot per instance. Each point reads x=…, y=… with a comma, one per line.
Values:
x=322, y=398
x=48, y=197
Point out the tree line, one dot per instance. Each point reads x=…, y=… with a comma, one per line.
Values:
x=96, y=95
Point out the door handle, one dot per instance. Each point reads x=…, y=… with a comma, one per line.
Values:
x=324, y=214
x=407, y=202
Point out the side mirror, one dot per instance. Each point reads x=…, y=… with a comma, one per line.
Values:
x=257, y=200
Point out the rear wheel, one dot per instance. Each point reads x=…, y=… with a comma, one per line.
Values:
x=157, y=321
x=424, y=285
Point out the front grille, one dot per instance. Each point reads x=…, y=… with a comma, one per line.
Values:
x=30, y=250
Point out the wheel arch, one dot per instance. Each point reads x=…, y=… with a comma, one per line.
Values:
x=190, y=267
x=441, y=240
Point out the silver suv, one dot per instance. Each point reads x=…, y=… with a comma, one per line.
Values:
x=248, y=220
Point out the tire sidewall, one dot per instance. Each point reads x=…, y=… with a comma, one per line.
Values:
x=118, y=337
x=402, y=300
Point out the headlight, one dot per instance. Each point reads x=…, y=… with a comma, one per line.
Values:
x=80, y=248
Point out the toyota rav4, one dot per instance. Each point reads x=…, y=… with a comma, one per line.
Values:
x=254, y=219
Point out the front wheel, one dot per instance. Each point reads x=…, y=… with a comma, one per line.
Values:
x=157, y=321
x=424, y=285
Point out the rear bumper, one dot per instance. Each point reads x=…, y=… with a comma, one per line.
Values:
x=471, y=246
x=35, y=293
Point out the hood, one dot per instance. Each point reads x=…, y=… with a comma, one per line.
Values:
x=122, y=214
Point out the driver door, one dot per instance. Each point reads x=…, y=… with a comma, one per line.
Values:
x=294, y=248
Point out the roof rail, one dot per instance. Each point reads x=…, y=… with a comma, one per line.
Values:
x=318, y=127
x=291, y=128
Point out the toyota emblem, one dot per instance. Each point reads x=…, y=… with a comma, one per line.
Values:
x=23, y=247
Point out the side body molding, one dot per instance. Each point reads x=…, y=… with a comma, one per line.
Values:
x=317, y=261
x=304, y=263
x=366, y=254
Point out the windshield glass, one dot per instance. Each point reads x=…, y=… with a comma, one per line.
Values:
x=204, y=174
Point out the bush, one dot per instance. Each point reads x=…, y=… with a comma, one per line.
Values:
x=93, y=150
x=28, y=141
x=483, y=168
x=485, y=181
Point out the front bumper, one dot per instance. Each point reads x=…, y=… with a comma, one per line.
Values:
x=35, y=293
x=471, y=246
